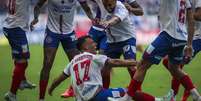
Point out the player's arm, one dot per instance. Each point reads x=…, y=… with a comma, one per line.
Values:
x=197, y=14
x=134, y=8
x=188, y=50
x=56, y=82
x=37, y=8
x=114, y=20
x=120, y=63
x=87, y=9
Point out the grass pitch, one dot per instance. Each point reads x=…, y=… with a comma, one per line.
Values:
x=157, y=81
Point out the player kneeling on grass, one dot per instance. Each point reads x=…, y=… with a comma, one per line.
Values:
x=85, y=72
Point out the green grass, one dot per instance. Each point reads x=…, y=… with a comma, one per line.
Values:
x=157, y=81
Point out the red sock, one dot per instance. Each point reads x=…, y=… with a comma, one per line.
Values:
x=175, y=85
x=133, y=87
x=141, y=96
x=43, y=86
x=165, y=62
x=185, y=95
x=24, y=77
x=187, y=82
x=18, y=73
x=131, y=72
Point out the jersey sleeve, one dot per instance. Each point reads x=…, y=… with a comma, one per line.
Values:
x=100, y=59
x=198, y=4
x=121, y=11
x=67, y=70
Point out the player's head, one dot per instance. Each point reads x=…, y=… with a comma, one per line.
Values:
x=86, y=44
x=109, y=5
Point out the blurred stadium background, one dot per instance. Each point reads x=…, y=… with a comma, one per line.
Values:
x=146, y=28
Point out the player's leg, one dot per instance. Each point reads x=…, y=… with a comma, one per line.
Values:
x=69, y=45
x=174, y=82
x=176, y=58
x=113, y=51
x=129, y=52
x=51, y=44
x=20, y=54
x=197, y=49
x=153, y=54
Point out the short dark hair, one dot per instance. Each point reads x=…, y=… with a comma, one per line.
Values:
x=81, y=41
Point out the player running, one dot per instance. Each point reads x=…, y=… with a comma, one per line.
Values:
x=15, y=28
x=171, y=41
x=196, y=47
x=85, y=72
x=59, y=30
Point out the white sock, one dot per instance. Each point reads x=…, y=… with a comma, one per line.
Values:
x=158, y=99
x=194, y=93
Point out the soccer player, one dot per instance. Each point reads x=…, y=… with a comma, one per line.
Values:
x=85, y=72
x=15, y=27
x=172, y=41
x=196, y=47
x=97, y=32
x=59, y=30
x=120, y=37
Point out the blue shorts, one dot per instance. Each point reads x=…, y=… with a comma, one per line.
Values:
x=111, y=92
x=18, y=42
x=164, y=45
x=52, y=39
x=127, y=48
x=196, y=46
x=99, y=37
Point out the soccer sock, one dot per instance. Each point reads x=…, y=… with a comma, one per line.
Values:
x=133, y=87
x=165, y=62
x=24, y=77
x=43, y=86
x=188, y=85
x=131, y=72
x=175, y=85
x=185, y=96
x=141, y=96
x=18, y=73
x=187, y=82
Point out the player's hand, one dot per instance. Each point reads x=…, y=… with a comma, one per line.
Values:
x=95, y=21
x=34, y=22
x=188, y=53
x=105, y=24
x=50, y=90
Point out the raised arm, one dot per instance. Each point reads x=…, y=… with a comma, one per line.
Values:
x=37, y=8
x=134, y=8
x=56, y=82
